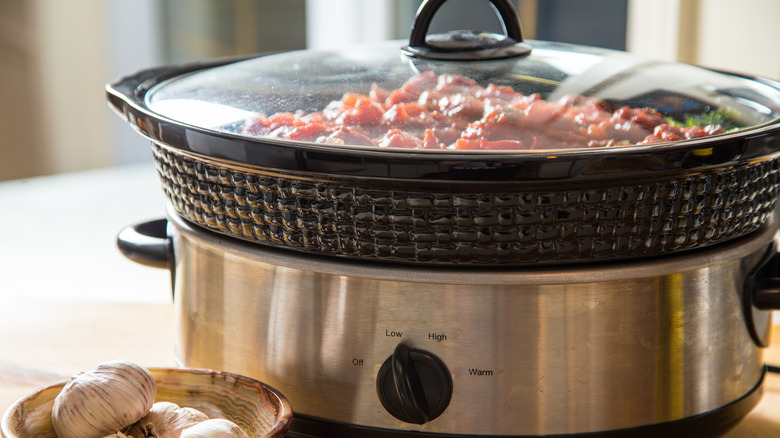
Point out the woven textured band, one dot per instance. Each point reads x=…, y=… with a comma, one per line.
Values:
x=439, y=227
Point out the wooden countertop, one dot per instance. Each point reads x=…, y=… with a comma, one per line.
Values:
x=41, y=343
x=69, y=300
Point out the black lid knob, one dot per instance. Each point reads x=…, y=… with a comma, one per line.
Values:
x=466, y=45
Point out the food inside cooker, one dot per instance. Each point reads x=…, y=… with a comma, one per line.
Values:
x=446, y=111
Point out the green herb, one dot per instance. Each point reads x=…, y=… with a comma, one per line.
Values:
x=726, y=119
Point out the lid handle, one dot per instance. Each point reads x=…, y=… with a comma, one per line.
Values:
x=466, y=45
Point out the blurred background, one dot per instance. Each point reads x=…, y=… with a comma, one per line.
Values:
x=56, y=56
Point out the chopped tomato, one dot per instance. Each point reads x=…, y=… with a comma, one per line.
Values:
x=449, y=83
x=421, y=82
x=395, y=138
x=395, y=116
x=597, y=132
x=461, y=106
x=430, y=141
x=399, y=96
x=353, y=136
x=360, y=110
x=502, y=145
x=504, y=93
x=702, y=131
x=463, y=143
x=352, y=99
x=378, y=93
x=540, y=112
x=447, y=135
x=489, y=145
x=283, y=119
x=308, y=132
x=647, y=119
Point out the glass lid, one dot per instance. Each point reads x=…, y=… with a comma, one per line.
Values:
x=557, y=97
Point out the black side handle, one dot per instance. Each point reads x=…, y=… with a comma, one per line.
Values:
x=761, y=295
x=767, y=295
x=466, y=45
x=147, y=243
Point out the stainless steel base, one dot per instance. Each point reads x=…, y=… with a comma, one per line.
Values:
x=531, y=351
x=712, y=424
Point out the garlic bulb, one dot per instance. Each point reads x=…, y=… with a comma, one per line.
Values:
x=165, y=420
x=214, y=428
x=102, y=401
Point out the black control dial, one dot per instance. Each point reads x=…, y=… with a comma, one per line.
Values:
x=414, y=385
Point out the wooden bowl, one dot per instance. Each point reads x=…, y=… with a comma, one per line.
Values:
x=259, y=410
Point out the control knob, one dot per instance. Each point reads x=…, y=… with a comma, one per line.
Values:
x=414, y=385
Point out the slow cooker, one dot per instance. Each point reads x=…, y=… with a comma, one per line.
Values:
x=469, y=234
